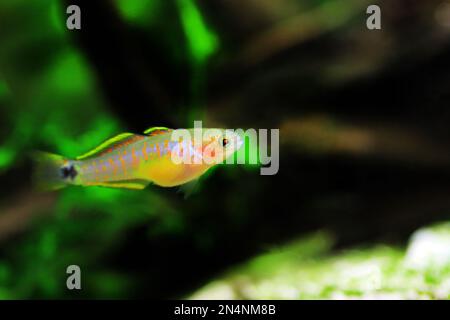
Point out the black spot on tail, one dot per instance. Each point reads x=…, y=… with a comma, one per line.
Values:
x=69, y=172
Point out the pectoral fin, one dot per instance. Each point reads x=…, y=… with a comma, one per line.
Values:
x=189, y=188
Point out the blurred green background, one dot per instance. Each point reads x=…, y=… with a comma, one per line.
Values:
x=364, y=157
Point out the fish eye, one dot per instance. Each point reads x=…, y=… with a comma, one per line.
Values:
x=224, y=142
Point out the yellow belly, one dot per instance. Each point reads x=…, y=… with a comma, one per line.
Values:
x=164, y=172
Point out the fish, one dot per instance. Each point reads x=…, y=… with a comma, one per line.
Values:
x=160, y=156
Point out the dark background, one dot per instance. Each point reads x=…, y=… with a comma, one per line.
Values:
x=363, y=121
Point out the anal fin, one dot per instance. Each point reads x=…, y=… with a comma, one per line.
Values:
x=136, y=184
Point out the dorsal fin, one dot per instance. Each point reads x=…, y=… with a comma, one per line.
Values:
x=110, y=144
x=153, y=131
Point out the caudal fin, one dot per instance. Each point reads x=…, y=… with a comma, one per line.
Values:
x=47, y=171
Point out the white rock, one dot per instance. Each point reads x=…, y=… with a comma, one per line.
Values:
x=429, y=248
